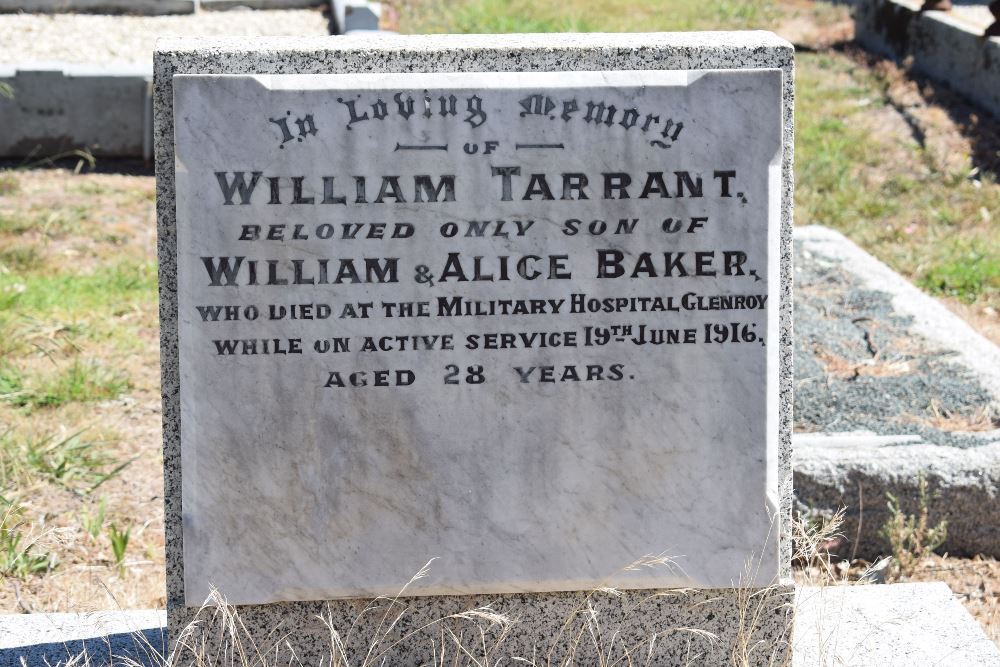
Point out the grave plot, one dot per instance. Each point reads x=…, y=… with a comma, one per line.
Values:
x=851, y=177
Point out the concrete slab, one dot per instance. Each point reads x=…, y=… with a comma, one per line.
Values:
x=57, y=107
x=946, y=46
x=55, y=639
x=71, y=91
x=127, y=39
x=144, y=7
x=857, y=470
x=898, y=625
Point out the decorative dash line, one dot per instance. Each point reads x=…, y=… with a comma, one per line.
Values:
x=520, y=146
x=405, y=147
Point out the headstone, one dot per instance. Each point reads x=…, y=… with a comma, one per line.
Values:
x=517, y=303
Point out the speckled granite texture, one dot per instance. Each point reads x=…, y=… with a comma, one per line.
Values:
x=755, y=626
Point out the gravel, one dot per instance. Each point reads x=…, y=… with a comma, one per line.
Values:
x=859, y=366
x=85, y=38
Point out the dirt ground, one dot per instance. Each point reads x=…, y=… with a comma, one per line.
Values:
x=111, y=222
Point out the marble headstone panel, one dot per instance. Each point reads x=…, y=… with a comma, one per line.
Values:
x=523, y=323
x=280, y=488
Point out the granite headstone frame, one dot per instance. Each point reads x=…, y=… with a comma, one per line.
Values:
x=519, y=303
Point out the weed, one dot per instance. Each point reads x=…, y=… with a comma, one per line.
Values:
x=16, y=556
x=11, y=382
x=81, y=381
x=14, y=225
x=19, y=258
x=966, y=274
x=911, y=537
x=93, y=523
x=119, y=542
x=812, y=538
x=70, y=462
x=84, y=158
x=8, y=183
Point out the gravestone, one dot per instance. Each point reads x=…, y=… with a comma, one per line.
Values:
x=517, y=303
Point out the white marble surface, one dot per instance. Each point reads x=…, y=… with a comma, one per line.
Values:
x=297, y=491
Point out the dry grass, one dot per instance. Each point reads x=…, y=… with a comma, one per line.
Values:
x=387, y=631
x=983, y=418
x=841, y=367
x=79, y=389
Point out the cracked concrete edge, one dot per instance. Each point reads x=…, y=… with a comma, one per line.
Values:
x=896, y=624
x=857, y=471
x=931, y=319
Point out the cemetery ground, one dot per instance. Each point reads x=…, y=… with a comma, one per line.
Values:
x=900, y=166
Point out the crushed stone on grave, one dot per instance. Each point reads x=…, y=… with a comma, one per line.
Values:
x=860, y=367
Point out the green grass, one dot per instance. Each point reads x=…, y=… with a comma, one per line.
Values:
x=886, y=193
x=78, y=381
x=965, y=273
x=107, y=287
x=53, y=223
x=18, y=556
x=76, y=462
x=506, y=16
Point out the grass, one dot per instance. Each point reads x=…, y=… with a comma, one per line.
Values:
x=80, y=381
x=74, y=462
x=79, y=392
x=504, y=16
x=18, y=556
x=886, y=191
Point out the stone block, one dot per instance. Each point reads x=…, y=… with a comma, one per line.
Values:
x=58, y=107
x=896, y=625
x=942, y=46
x=354, y=15
x=856, y=471
x=141, y=7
